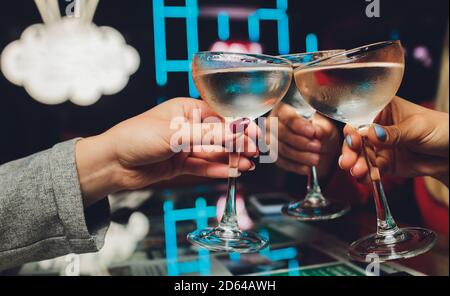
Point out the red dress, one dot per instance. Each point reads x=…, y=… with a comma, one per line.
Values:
x=434, y=215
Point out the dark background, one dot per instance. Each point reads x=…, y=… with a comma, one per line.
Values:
x=27, y=126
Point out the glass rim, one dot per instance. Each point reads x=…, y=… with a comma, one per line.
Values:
x=262, y=57
x=353, y=51
x=301, y=54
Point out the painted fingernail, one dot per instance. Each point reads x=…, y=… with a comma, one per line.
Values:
x=348, y=139
x=351, y=172
x=340, y=161
x=380, y=132
x=253, y=167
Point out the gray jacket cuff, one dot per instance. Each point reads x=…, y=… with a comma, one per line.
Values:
x=41, y=209
x=84, y=230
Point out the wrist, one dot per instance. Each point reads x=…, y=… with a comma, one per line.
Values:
x=98, y=169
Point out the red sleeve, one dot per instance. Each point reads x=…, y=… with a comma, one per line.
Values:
x=344, y=185
x=434, y=214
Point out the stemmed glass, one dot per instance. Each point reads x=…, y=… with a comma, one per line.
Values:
x=354, y=87
x=314, y=206
x=241, y=88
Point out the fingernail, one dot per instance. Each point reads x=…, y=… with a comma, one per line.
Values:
x=351, y=172
x=348, y=139
x=253, y=167
x=340, y=160
x=380, y=132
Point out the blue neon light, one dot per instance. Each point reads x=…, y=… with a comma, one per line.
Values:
x=223, y=25
x=162, y=65
x=190, y=12
x=394, y=35
x=293, y=267
x=312, y=44
x=200, y=214
x=271, y=14
x=235, y=257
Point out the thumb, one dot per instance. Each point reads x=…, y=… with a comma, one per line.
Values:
x=386, y=136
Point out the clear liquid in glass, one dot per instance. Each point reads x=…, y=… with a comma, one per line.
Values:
x=350, y=93
x=242, y=92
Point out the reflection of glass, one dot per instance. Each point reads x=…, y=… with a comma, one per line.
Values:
x=241, y=87
x=314, y=206
x=354, y=87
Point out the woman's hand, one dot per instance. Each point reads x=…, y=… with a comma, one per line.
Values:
x=303, y=143
x=410, y=140
x=140, y=151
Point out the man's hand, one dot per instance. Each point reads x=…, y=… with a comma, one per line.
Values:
x=303, y=143
x=138, y=152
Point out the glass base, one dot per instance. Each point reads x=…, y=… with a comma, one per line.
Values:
x=222, y=239
x=405, y=243
x=316, y=208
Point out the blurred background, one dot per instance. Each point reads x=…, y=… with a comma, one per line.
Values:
x=166, y=34
x=286, y=26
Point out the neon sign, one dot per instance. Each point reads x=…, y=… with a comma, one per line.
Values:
x=190, y=12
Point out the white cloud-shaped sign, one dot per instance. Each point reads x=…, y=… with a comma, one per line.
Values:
x=68, y=60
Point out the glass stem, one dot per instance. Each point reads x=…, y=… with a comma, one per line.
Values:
x=313, y=187
x=313, y=181
x=386, y=226
x=229, y=218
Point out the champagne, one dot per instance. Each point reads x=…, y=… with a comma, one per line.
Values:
x=351, y=93
x=244, y=92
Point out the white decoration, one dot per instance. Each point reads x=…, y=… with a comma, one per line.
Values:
x=69, y=60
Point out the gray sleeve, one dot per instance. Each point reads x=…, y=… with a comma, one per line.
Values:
x=41, y=209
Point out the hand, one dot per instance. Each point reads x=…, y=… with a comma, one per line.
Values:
x=411, y=141
x=138, y=152
x=303, y=143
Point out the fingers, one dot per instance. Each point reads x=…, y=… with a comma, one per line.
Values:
x=204, y=168
x=211, y=136
x=296, y=141
x=324, y=127
x=289, y=118
x=351, y=148
x=190, y=105
x=384, y=136
x=215, y=156
x=352, y=138
x=359, y=170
